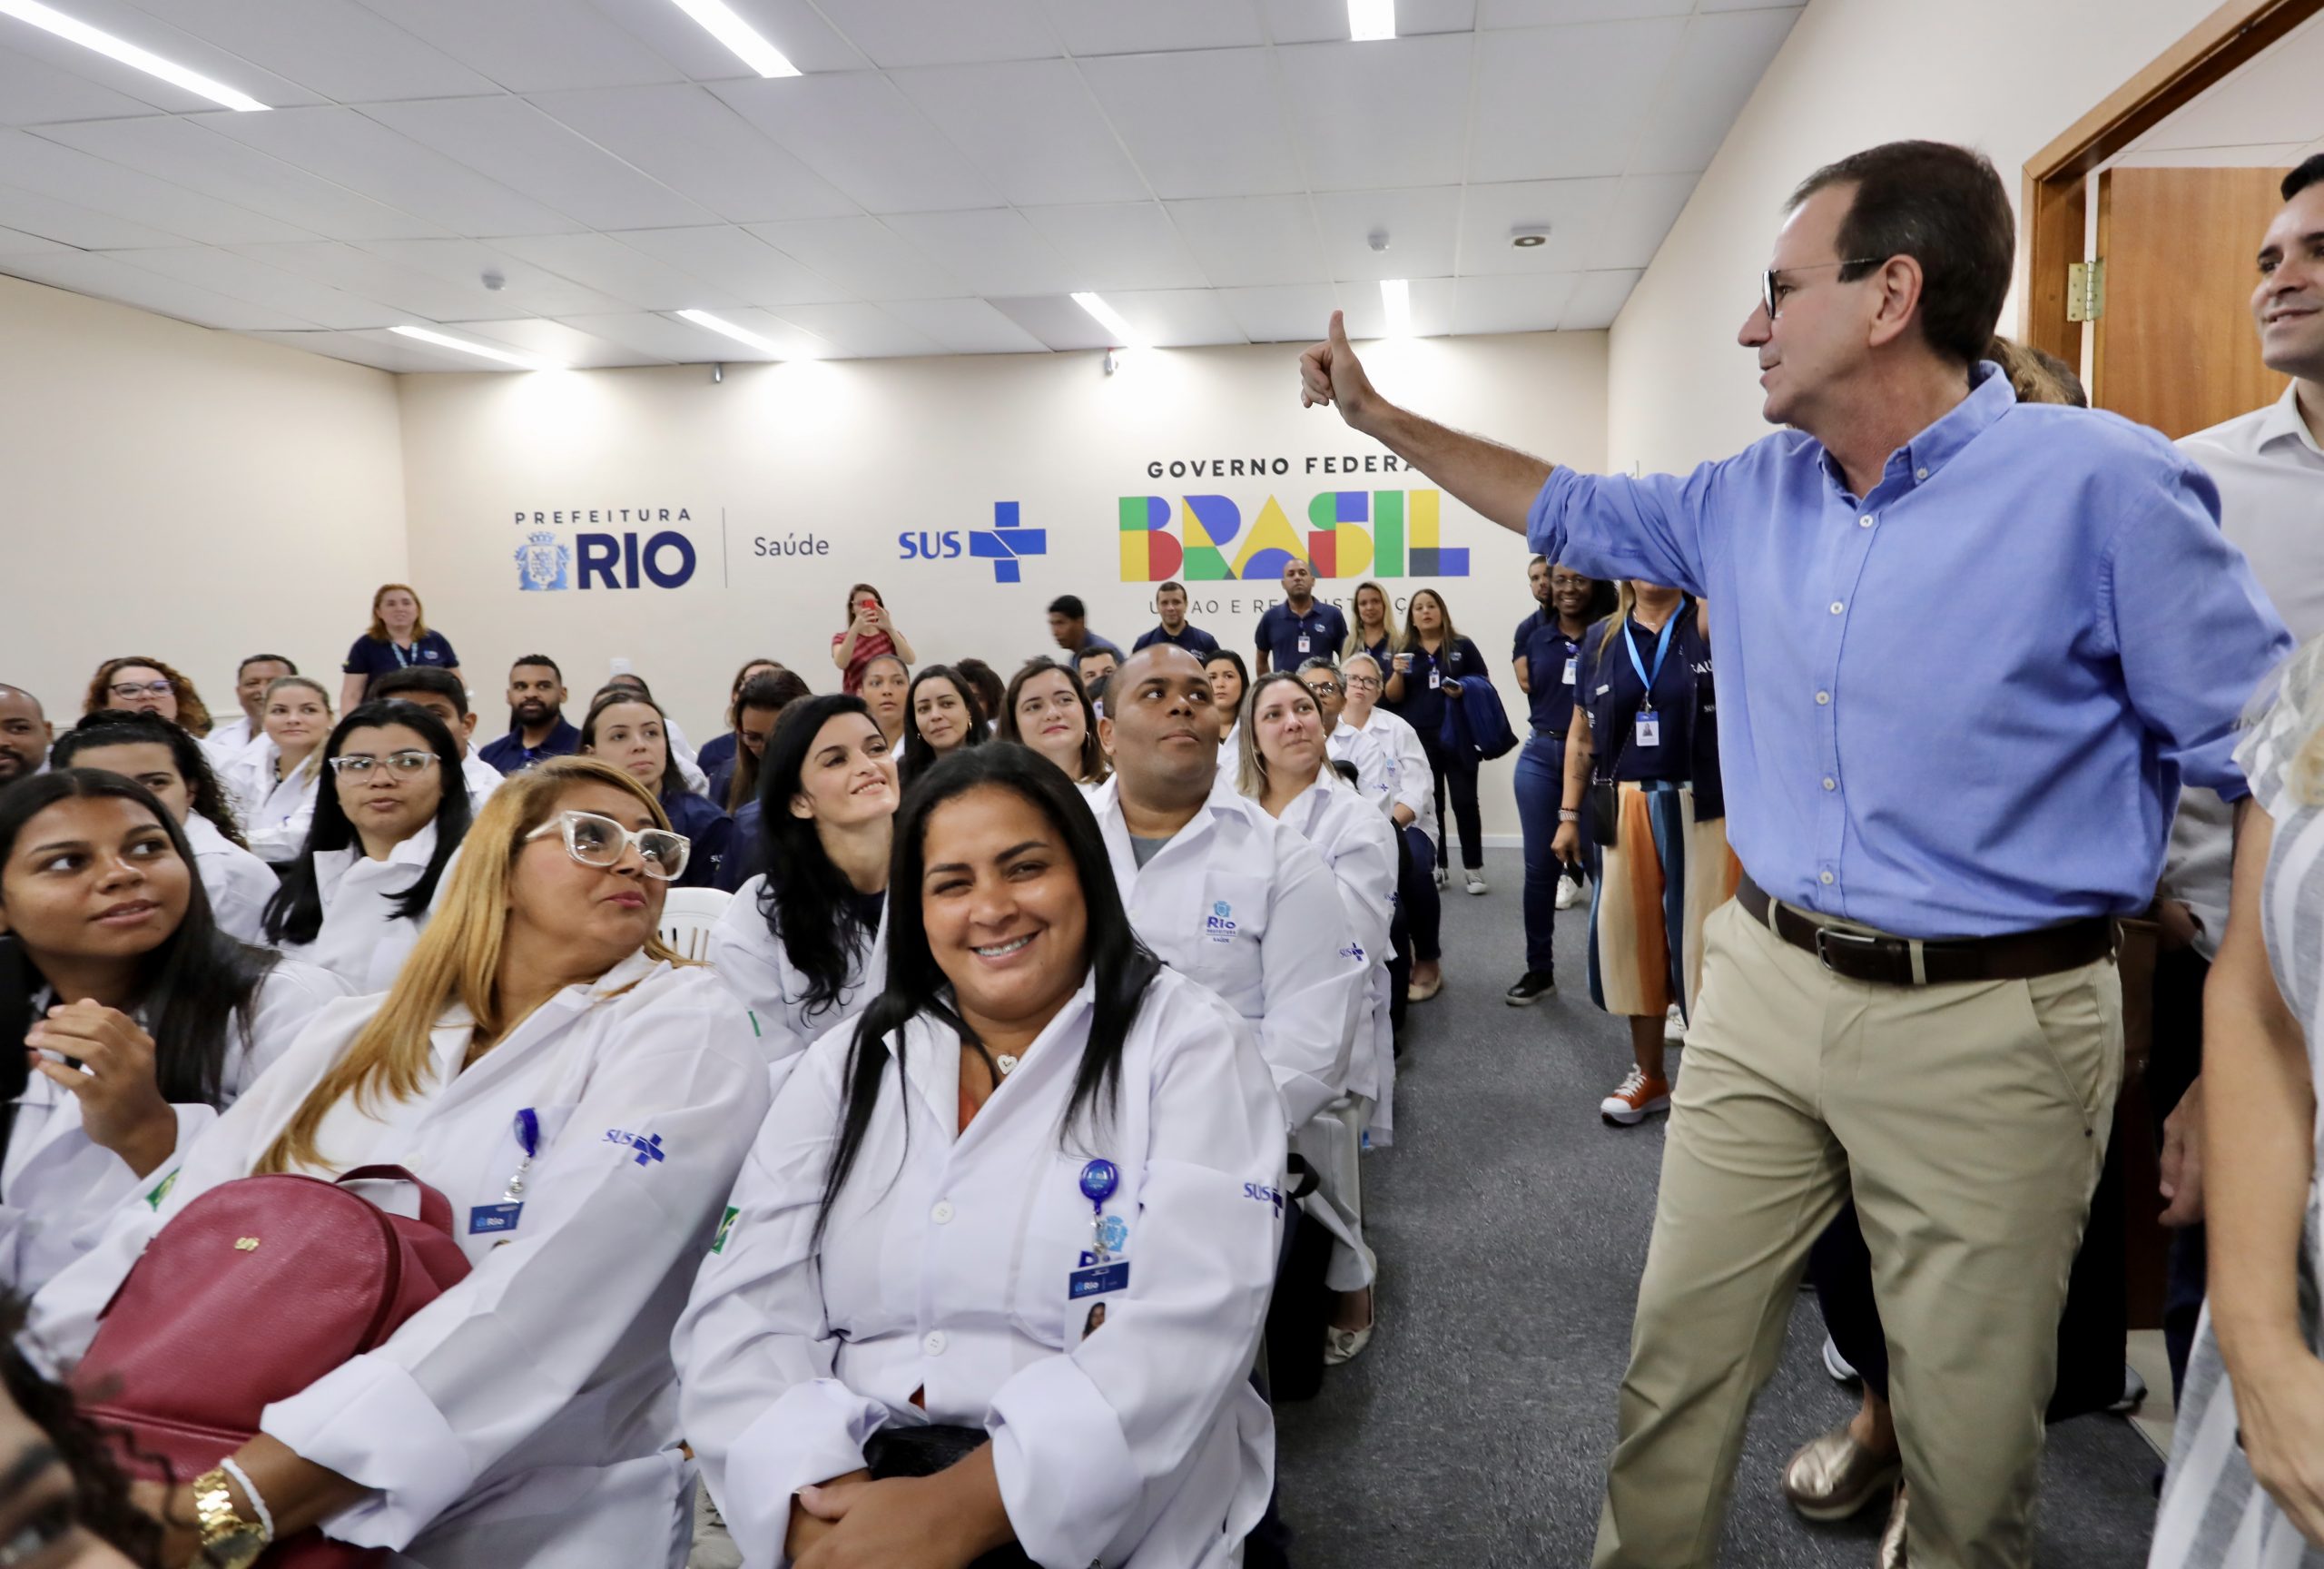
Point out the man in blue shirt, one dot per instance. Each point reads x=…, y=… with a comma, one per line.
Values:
x=538, y=728
x=1298, y=629
x=1070, y=625
x=1912, y=998
x=1170, y=604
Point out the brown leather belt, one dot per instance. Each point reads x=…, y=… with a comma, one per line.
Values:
x=1885, y=960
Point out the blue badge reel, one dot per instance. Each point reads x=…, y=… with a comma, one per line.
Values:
x=1100, y=1271
x=486, y=1218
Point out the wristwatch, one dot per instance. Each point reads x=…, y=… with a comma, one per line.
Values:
x=228, y=1541
x=1569, y=814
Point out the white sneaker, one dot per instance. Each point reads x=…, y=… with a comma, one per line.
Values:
x=1837, y=1365
x=1572, y=893
x=1476, y=882
x=1443, y=876
x=1674, y=1024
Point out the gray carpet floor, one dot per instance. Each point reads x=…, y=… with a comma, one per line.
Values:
x=1511, y=1225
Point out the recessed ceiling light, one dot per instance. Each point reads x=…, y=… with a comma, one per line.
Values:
x=739, y=334
x=1396, y=300
x=1369, y=21
x=50, y=19
x=485, y=351
x=1526, y=238
x=718, y=19
x=1110, y=320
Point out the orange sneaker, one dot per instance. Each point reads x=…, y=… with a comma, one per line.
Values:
x=1639, y=1097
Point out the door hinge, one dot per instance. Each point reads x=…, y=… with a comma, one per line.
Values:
x=2086, y=291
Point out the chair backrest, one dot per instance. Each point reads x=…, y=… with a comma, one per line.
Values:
x=688, y=917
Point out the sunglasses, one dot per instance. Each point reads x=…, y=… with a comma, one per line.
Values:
x=597, y=841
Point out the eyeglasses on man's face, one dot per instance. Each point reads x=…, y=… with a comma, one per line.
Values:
x=399, y=765
x=1773, y=289
x=598, y=841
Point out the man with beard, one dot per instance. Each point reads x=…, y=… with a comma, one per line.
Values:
x=538, y=728
x=24, y=735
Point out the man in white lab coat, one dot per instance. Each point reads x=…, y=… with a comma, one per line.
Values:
x=1223, y=892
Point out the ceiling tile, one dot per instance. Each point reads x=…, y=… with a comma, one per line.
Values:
x=69, y=223
x=1432, y=309
x=531, y=45
x=699, y=147
x=735, y=260
x=1421, y=226
x=185, y=153
x=861, y=331
x=1386, y=114
x=381, y=350
x=1293, y=313
x=1207, y=123
x=602, y=262
x=1122, y=245
x=1325, y=21
x=36, y=93
x=1131, y=27
x=1556, y=103
x=525, y=288
x=992, y=250
x=254, y=283
x=525, y=150
x=1244, y=240
x=1564, y=12
x=1056, y=321
x=862, y=256
x=1597, y=299
x=341, y=145
x=336, y=47
x=790, y=341
x=33, y=163
x=108, y=278
x=558, y=344
x=1032, y=127
x=1177, y=318
x=793, y=26
x=409, y=289
x=1512, y=304
x=149, y=31
x=965, y=325
x=858, y=132
x=897, y=33
x=1717, y=68
x=16, y=242
x=1575, y=212
x=1644, y=210
x=665, y=338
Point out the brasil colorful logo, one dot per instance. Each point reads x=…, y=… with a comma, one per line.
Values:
x=1351, y=534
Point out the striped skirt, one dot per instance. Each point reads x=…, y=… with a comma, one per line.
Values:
x=1663, y=874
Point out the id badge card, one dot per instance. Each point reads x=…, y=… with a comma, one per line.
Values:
x=1648, y=732
x=1303, y=643
x=1572, y=662
x=1435, y=678
x=484, y=1220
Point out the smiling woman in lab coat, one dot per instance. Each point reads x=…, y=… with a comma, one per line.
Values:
x=1033, y=1121
x=803, y=948
x=585, y=1107
x=110, y=955
x=390, y=813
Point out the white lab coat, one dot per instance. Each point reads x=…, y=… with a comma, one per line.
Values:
x=362, y=939
x=275, y=815
x=1359, y=845
x=228, y=741
x=481, y=779
x=528, y=1416
x=239, y=883
x=944, y=1270
x=1391, y=768
x=1242, y=903
x=62, y=1189
x=754, y=967
x=683, y=754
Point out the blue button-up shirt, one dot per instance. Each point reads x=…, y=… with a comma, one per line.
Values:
x=1962, y=705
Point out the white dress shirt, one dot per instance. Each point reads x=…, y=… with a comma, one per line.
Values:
x=239, y=883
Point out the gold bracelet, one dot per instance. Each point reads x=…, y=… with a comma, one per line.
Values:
x=228, y=1541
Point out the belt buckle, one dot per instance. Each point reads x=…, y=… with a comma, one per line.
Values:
x=1827, y=935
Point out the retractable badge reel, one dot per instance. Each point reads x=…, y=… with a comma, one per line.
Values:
x=1100, y=1271
x=502, y=1217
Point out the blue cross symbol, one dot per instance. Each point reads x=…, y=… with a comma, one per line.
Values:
x=649, y=1151
x=1006, y=541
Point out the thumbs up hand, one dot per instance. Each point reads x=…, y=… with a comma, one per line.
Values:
x=1331, y=374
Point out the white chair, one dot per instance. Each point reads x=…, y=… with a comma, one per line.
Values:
x=688, y=917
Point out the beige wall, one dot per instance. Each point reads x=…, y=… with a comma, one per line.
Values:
x=854, y=453
x=1999, y=75
x=183, y=493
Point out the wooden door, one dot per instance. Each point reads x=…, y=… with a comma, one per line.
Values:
x=2175, y=346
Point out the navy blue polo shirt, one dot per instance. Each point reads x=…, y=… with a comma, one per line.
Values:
x=511, y=756
x=1378, y=651
x=1091, y=640
x=711, y=830
x=378, y=655
x=1422, y=705
x=1613, y=694
x=1282, y=630
x=1190, y=637
x=1551, y=675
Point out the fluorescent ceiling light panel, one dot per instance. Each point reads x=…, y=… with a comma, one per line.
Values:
x=446, y=341
x=1396, y=300
x=49, y=19
x=719, y=324
x=1110, y=320
x=718, y=19
x=1369, y=21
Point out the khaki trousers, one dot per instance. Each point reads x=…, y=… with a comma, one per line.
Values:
x=1969, y=1122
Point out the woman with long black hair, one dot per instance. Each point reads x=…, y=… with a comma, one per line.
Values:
x=941, y=716
x=1041, y=1335
x=141, y=1021
x=393, y=806
x=801, y=949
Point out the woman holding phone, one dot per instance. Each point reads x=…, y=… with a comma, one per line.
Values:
x=869, y=634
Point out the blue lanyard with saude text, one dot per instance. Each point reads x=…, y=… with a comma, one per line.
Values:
x=1661, y=649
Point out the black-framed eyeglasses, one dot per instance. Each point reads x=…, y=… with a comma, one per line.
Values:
x=403, y=764
x=1773, y=300
x=598, y=841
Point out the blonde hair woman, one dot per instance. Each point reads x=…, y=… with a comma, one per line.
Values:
x=275, y=781
x=585, y=1103
x=1372, y=626
x=399, y=639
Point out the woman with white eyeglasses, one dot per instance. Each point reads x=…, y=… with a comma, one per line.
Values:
x=357, y=897
x=584, y=1102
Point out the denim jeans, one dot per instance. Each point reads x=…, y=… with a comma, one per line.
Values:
x=1541, y=790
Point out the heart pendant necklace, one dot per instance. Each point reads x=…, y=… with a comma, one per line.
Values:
x=1006, y=1064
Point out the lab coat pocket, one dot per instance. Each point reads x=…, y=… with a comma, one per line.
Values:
x=1232, y=915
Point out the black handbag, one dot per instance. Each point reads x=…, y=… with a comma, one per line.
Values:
x=925, y=1451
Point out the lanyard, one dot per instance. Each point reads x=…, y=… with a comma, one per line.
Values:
x=402, y=661
x=1661, y=651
